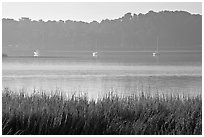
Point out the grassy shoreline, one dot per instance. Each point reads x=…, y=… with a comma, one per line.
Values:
x=40, y=114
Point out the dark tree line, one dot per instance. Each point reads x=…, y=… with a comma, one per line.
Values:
x=178, y=30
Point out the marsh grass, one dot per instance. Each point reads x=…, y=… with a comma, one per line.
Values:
x=41, y=114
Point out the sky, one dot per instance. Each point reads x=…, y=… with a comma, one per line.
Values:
x=89, y=11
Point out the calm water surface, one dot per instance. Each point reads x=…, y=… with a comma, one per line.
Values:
x=97, y=76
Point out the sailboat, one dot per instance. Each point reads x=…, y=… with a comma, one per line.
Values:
x=36, y=53
x=95, y=54
x=156, y=53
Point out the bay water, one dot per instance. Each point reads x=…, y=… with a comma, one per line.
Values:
x=124, y=74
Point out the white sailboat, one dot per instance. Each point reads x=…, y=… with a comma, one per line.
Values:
x=36, y=53
x=156, y=53
x=95, y=54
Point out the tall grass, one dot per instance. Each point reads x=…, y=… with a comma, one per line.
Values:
x=41, y=114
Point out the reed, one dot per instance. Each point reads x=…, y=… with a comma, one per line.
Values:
x=42, y=114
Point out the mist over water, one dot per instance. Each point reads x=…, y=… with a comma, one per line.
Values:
x=97, y=76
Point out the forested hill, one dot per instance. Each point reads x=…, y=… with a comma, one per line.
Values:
x=175, y=30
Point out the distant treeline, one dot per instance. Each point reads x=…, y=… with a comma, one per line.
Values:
x=175, y=30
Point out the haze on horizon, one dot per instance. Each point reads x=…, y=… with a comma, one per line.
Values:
x=90, y=11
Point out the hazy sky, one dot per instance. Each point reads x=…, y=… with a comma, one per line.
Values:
x=89, y=11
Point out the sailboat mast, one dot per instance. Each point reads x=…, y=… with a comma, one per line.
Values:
x=96, y=45
x=157, y=44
